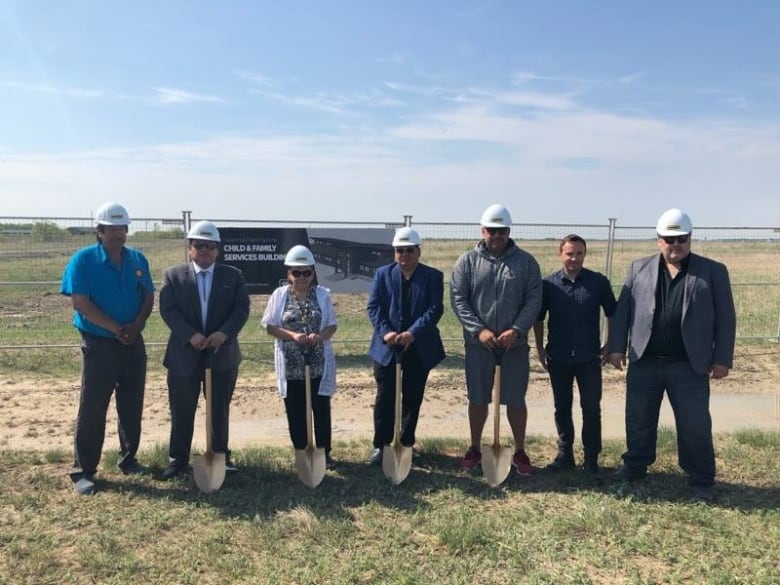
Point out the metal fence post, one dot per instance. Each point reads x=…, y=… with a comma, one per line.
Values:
x=186, y=218
x=608, y=267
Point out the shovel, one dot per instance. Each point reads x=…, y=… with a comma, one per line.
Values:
x=496, y=460
x=310, y=462
x=397, y=459
x=208, y=470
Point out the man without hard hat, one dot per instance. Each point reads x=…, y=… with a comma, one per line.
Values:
x=112, y=295
x=205, y=305
x=675, y=316
x=496, y=292
x=404, y=307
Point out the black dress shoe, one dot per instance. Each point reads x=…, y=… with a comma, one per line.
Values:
x=375, y=458
x=703, y=493
x=173, y=471
x=591, y=469
x=626, y=473
x=330, y=462
x=562, y=462
x=134, y=468
x=231, y=467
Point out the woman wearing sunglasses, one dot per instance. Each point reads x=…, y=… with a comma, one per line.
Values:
x=300, y=316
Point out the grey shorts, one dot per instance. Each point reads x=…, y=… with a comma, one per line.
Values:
x=480, y=372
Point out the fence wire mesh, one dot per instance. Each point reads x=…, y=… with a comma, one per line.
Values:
x=34, y=252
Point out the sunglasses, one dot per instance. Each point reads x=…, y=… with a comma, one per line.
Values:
x=300, y=273
x=205, y=246
x=407, y=250
x=499, y=231
x=678, y=239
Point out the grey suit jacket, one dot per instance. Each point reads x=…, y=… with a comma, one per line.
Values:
x=228, y=311
x=709, y=320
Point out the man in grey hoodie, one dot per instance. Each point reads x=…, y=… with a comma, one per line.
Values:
x=496, y=292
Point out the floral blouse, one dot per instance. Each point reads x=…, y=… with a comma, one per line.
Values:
x=302, y=317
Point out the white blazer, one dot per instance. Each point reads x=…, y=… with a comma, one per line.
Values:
x=273, y=316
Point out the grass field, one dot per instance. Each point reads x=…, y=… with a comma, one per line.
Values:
x=33, y=313
x=440, y=526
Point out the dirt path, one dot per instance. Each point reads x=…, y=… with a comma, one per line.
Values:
x=39, y=416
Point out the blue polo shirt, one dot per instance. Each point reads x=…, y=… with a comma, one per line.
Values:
x=117, y=292
x=573, y=334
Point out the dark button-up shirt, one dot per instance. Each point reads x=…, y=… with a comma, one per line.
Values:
x=573, y=334
x=666, y=339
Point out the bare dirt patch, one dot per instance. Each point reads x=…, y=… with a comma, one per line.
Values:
x=38, y=415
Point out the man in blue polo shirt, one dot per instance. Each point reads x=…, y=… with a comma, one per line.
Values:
x=573, y=296
x=112, y=295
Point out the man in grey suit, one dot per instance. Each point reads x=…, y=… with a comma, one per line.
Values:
x=205, y=305
x=678, y=312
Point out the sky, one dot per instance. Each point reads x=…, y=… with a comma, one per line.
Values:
x=564, y=111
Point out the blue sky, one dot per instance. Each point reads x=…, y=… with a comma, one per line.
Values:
x=567, y=112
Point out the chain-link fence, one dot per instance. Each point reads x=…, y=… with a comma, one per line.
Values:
x=34, y=251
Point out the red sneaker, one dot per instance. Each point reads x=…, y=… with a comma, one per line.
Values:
x=472, y=460
x=522, y=463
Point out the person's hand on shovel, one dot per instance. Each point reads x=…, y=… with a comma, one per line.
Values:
x=488, y=339
x=404, y=340
x=507, y=339
x=215, y=341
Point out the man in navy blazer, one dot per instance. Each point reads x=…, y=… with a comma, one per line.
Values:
x=404, y=307
x=677, y=310
x=205, y=305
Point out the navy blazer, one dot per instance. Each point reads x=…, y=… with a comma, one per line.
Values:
x=384, y=312
x=228, y=311
x=709, y=320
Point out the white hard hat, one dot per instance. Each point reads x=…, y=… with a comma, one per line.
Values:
x=674, y=222
x=203, y=230
x=496, y=216
x=406, y=236
x=112, y=214
x=299, y=256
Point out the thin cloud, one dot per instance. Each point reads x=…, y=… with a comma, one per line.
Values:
x=54, y=90
x=344, y=104
x=523, y=77
x=395, y=59
x=256, y=78
x=168, y=96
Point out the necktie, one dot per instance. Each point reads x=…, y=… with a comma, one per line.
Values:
x=203, y=290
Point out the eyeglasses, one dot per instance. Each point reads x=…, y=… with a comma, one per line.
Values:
x=679, y=239
x=300, y=273
x=497, y=231
x=205, y=245
x=407, y=250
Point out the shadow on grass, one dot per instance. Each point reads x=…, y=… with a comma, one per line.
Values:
x=267, y=485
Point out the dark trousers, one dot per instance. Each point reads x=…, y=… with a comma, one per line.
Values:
x=588, y=376
x=295, y=405
x=414, y=376
x=689, y=396
x=183, y=395
x=108, y=367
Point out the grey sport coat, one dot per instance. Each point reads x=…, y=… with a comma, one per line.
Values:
x=709, y=320
x=228, y=311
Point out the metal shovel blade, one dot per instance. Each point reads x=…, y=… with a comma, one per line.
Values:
x=397, y=459
x=310, y=464
x=310, y=461
x=496, y=464
x=396, y=462
x=208, y=471
x=496, y=460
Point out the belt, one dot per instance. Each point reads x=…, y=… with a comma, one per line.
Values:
x=670, y=358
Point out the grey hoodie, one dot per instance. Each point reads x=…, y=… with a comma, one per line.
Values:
x=496, y=293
